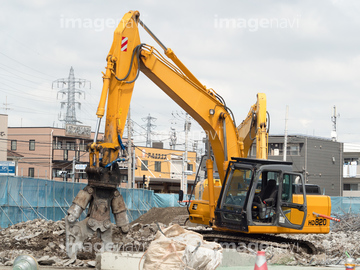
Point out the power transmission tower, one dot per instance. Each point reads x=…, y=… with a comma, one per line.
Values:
x=70, y=91
x=6, y=104
x=149, y=126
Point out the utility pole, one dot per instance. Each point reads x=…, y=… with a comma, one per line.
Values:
x=185, y=156
x=286, y=133
x=129, y=162
x=70, y=91
x=149, y=126
x=73, y=170
x=173, y=138
x=133, y=168
x=333, y=120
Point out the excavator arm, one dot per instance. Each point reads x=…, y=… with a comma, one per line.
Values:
x=256, y=127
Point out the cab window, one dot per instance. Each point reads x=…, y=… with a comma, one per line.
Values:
x=239, y=181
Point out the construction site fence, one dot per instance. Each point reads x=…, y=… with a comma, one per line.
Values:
x=23, y=199
x=345, y=205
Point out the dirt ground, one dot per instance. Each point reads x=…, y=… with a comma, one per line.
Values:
x=161, y=215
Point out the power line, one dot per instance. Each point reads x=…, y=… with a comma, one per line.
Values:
x=25, y=65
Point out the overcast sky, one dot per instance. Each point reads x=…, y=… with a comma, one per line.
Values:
x=304, y=54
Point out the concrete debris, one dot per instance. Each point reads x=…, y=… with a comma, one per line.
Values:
x=348, y=222
x=45, y=240
x=46, y=260
x=9, y=263
x=91, y=264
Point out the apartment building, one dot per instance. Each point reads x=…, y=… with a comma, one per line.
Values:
x=351, y=170
x=51, y=153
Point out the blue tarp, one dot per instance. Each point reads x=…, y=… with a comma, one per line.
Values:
x=343, y=205
x=23, y=199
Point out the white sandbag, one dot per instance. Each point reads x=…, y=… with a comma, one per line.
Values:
x=177, y=248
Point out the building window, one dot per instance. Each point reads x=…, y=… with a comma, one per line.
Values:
x=277, y=149
x=144, y=165
x=66, y=155
x=58, y=145
x=70, y=145
x=82, y=146
x=157, y=166
x=293, y=150
x=32, y=145
x=13, y=145
x=56, y=173
x=31, y=172
x=190, y=167
x=351, y=187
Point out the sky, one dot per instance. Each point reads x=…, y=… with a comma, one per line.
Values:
x=301, y=54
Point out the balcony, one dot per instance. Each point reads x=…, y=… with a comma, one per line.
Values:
x=351, y=170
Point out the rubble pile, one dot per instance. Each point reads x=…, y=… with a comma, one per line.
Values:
x=344, y=237
x=37, y=238
x=330, y=247
x=45, y=240
x=348, y=222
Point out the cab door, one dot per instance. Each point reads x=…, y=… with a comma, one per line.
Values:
x=291, y=207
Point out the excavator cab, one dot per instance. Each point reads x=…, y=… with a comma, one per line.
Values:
x=260, y=193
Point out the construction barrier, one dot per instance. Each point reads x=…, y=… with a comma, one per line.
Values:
x=345, y=205
x=23, y=199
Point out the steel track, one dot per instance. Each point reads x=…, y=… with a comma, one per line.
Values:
x=258, y=241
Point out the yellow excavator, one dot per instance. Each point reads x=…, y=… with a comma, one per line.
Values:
x=250, y=196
